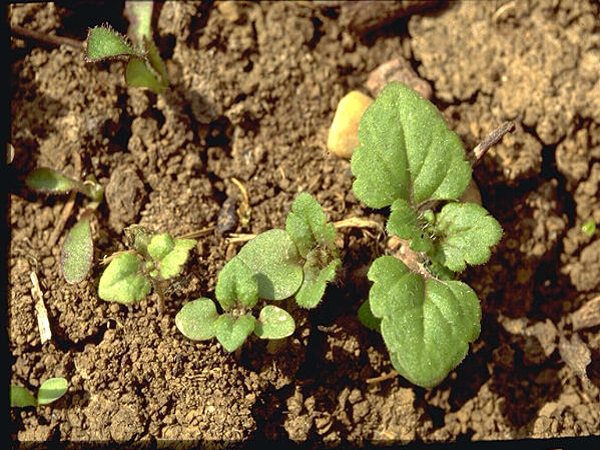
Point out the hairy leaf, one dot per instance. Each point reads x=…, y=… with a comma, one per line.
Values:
x=275, y=263
x=315, y=281
x=104, y=42
x=21, y=397
x=196, y=320
x=405, y=224
x=236, y=284
x=77, y=252
x=426, y=324
x=51, y=390
x=170, y=253
x=123, y=280
x=48, y=180
x=466, y=231
x=232, y=332
x=407, y=152
x=307, y=225
x=274, y=323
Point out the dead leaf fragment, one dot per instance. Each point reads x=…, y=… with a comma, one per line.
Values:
x=397, y=69
x=576, y=354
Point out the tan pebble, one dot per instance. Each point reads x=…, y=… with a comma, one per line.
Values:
x=343, y=134
x=397, y=69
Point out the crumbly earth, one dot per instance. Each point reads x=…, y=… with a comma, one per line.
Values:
x=254, y=87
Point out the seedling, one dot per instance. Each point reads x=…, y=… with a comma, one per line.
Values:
x=152, y=260
x=145, y=68
x=589, y=227
x=50, y=391
x=78, y=247
x=277, y=264
x=409, y=160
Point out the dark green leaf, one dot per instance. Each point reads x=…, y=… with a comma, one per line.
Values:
x=405, y=224
x=139, y=74
x=307, y=225
x=315, y=281
x=21, y=397
x=48, y=180
x=104, y=42
x=232, y=332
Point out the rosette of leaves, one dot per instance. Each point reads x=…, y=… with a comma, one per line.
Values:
x=77, y=251
x=145, y=68
x=277, y=264
x=410, y=161
x=50, y=391
x=153, y=259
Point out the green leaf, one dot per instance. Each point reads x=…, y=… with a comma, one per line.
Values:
x=196, y=320
x=77, y=252
x=426, y=324
x=232, y=333
x=367, y=318
x=123, y=280
x=274, y=323
x=156, y=63
x=21, y=397
x=406, y=152
x=51, y=390
x=48, y=180
x=315, y=281
x=466, y=232
x=139, y=74
x=104, y=42
x=405, y=224
x=275, y=263
x=307, y=225
x=236, y=284
x=170, y=253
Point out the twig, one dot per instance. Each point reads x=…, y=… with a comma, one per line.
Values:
x=40, y=309
x=493, y=138
x=62, y=220
x=44, y=38
x=385, y=376
x=198, y=233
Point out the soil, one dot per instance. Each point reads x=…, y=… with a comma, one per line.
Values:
x=254, y=87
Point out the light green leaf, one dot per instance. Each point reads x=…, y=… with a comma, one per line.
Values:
x=315, y=281
x=427, y=324
x=104, y=42
x=48, y=180
x=196, y=320
x=405, y=224
x=275, y=263
x=157, y=63
x=236, y=284
x=139, y=74
x=51, y=390
x=21, y=397
x=171, y=254
x=77, y=252
x=139, y=14
x=123, y=281
x=307, y=225
x=274, y=323
x=406, y=152
x=466, y=232
x=232, y=333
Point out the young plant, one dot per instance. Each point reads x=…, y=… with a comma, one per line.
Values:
x=409, y=160
x=152, y=260
x=277, y=264
x=78, y=248
x=50, y=391
x=145, y=68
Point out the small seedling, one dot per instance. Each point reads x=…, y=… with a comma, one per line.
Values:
x=409, y=160
x=152, y=260
x=78, y=248
x=277, y=264
x=50, y=391
x=145, y=68
x=589, y=227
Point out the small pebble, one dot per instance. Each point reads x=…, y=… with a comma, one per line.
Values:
x=343, y=134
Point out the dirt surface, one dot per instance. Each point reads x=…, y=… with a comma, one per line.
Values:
x=254, y=87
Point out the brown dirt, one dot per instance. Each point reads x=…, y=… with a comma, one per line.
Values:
x=254, y=89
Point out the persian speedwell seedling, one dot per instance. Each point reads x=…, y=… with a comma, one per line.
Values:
x=277, y=264
x=153, y=259
x=145, y=68
x=78, y=248
x=409, y=160
x=50, y=391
